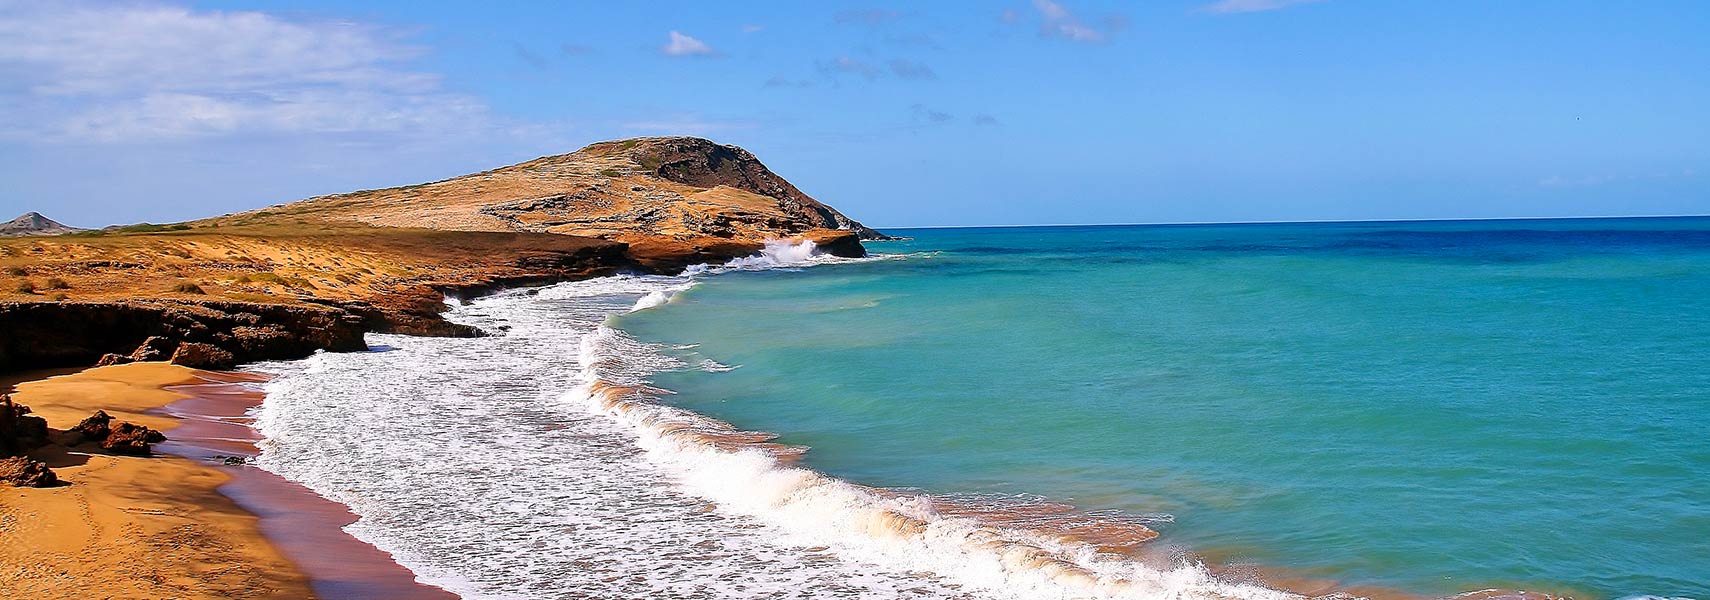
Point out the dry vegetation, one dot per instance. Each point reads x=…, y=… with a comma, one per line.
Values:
x=273, y=263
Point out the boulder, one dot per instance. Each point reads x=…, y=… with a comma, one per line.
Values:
x=132, y=439
x=23, y=472
x=119, y=438
x=94, y=428
x=154, y=348
x=20, y=431
x=197, y=355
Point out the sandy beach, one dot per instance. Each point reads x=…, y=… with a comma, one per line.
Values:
x=168, y=525
x=131, y=526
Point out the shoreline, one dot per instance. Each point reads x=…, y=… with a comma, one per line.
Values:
x=307, y=528
x=173, y=524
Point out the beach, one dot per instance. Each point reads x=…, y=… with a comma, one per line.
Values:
x=131, y=526
x=171, y=524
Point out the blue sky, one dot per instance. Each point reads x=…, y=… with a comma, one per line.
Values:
x=944, y=113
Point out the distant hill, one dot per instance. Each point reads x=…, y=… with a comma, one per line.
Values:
x=661, y=195
x=33, y=223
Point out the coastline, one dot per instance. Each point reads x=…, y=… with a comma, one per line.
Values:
x=174, y=524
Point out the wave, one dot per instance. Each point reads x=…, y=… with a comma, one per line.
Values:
x=487, y=511
x=1027, y=547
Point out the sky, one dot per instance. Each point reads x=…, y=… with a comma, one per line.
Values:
x=901, y=114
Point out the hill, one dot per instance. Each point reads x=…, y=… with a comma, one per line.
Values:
x=33, y=223
x=314, y=274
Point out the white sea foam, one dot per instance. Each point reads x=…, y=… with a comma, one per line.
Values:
x=540, y=463
x=653, y=299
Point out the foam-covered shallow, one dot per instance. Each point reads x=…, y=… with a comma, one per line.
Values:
x=540, y=463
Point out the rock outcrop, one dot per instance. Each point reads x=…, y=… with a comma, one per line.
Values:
x=119, y=438
x=72, y=333
x=18, y=471
x=131, y=439
x=20, y=431
x=197, y=355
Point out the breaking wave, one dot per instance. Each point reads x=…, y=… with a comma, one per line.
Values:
x=543, y=462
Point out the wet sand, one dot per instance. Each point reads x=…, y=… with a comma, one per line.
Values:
x=175, y=526
x=214, y=424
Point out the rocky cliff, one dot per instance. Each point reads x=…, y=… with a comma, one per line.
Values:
x=284, y=281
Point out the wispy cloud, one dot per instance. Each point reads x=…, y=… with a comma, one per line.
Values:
x=872, y=17
x=753, y=28
x=844, y=65
x=136, y=72
x=575, y=49
x=930, y=115
x=1056, y=21
x=1229, y=7
x=911, y=70
x=529, y=57
x=985, y=120
x=684, y=45
x=779, y=81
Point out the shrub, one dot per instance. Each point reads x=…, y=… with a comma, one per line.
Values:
x=55, y=283
x=610, y=172
x=188, y=288
x=25, y=287
x=16, y=271
x=60, y=297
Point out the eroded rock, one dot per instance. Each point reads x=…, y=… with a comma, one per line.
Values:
x=156, y=347
x=132, y=439
x=197, y=355
x=110, y=359
x=94, y=428
x=23, y=472
x=20, y=431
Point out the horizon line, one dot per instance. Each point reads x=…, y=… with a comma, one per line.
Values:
x=1303, y=221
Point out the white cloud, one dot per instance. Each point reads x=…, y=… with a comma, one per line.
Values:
x=1228, y=7
x=77, y=72
x=683, y=45
x=1057, y=21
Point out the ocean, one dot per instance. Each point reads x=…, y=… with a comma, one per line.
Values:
x=1432, y=408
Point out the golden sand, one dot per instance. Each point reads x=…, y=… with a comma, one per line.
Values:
x=130, y=527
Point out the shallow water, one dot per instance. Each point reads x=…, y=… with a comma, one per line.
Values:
x=1430, y=407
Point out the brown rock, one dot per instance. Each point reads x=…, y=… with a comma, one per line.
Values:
x=23, y=472
x=20, y=432
x=96, y=427
x=197, y=355
x=132, y=439
x=154, y=348
x=109, y=359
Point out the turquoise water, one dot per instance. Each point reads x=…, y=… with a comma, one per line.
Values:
x=1433, y=407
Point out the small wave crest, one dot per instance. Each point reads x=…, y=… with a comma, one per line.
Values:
x=1027, y=547
x=779, y=254
x=653, y=299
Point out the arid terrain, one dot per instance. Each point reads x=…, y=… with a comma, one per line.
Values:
x=288, y=279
